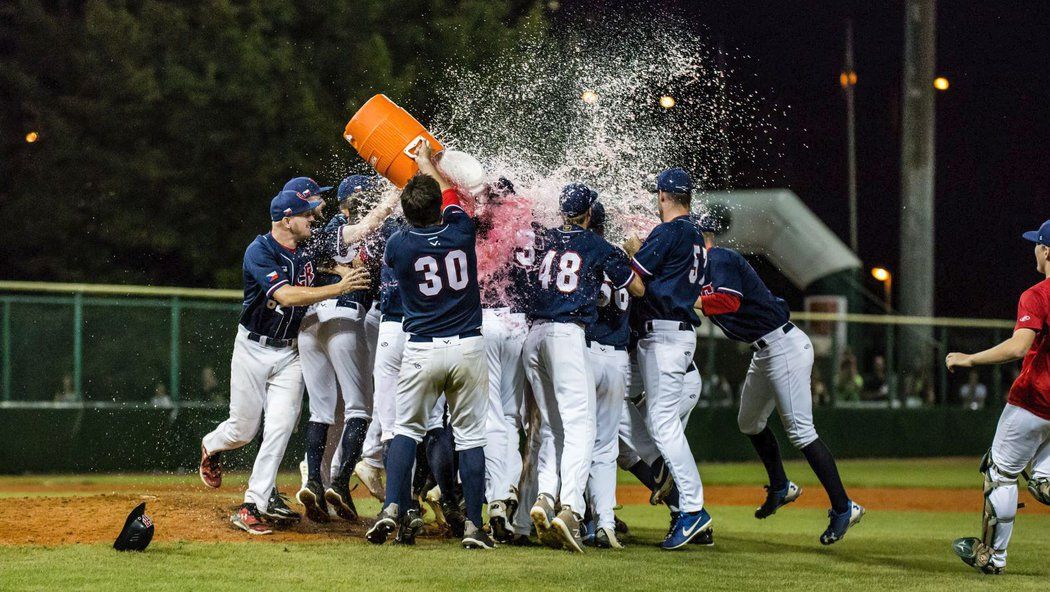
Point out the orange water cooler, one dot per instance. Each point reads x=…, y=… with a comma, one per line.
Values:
x=385, y=135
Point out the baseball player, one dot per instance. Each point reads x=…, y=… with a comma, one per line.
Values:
x=265, y=373
x=607, y=339
x=435, y=265
x=504, y=326
x=737, y=300
x=671, y=263
x=570, y=267
x=333, y=348
x=1023, y=433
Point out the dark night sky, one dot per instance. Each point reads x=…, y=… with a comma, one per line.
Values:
x=992, y=126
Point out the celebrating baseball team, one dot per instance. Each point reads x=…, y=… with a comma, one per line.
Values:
x=506, y=403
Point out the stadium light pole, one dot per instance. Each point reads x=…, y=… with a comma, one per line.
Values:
x=883, y=275
x=848, y=80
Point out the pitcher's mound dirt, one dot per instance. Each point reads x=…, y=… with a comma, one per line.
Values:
x=88, y=513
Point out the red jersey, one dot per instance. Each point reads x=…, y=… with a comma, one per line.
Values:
x=1031, y=390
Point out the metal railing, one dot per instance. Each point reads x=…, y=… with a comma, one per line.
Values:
x=107, y=345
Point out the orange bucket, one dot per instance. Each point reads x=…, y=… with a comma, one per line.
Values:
x=385, y=135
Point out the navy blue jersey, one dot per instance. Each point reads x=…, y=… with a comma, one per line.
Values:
x=346, y=254
x=671, y=263
x=614, y=304
x=267, y=267
x=760, y=311
x=569, y=267
x=436, y=269
x=389, y=296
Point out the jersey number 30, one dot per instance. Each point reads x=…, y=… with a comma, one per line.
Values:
x=566, y=276
x=455, y=272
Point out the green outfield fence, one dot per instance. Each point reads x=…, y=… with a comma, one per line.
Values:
x=112, y=377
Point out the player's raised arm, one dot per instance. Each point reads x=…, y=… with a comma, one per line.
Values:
x=353, y=279
x=425, y=162
x=352, y=233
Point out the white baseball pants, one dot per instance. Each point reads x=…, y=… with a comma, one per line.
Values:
x=635, y=442
x=664, y=355
x=504, y=335
x=263, y=380
x=612, y=369
x=779, y=376
x=557, y=367
x=455, y=366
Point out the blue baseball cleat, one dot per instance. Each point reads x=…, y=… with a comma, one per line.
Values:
x=687, y=527
x=777, y=498
x=840, y=523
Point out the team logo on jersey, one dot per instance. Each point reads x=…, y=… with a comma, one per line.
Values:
x=306, y=275
x=434, y=241
x=1026, y=318
x=272, y=276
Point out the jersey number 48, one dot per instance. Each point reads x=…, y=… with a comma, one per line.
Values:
x=566, y=276
x=455, y=273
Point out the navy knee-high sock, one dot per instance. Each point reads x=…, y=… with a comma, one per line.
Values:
x=768, y=450
x=472, y=473
x=644, y=474
x=441, y=459
x=316, y=435
x=400, y=457
x=352, y=442
x=823, y=464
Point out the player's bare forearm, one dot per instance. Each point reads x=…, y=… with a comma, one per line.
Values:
x=1011, y=350
x=353, y=233
x=637, y=287
x=356, y=279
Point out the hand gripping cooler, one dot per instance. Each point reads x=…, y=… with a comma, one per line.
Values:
x=385, y=135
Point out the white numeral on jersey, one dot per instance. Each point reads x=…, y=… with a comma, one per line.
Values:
x=432, y=282
x=568, y=275
x=699, y=259
x=455, y=269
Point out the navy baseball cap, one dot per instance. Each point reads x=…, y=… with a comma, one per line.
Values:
x=1041, y=236
x=576, y=199
x=307, y=186
x=355, y=184
x=674, y=180
x=290, y=203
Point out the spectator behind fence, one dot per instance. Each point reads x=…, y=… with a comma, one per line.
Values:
x=821, y=396
x=160, y=396
x=974, y=393
x=716, y=392
x=849, y=383
x=67, y=394
x=876, y=387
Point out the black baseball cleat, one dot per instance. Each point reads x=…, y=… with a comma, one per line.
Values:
x=476, y=538
x=705, y=539
x=523, y=540
x=277, y=511
x=409, y=527
x=385, y=524
x=338, y=495
x=453, y=517
x=311, y=496
x=621, y=526
x=777, y=498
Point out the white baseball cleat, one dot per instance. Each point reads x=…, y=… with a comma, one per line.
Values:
x=372, y=478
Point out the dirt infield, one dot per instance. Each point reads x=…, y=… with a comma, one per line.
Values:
x=43, y=513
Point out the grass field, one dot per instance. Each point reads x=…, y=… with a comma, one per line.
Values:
x=889, y=550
